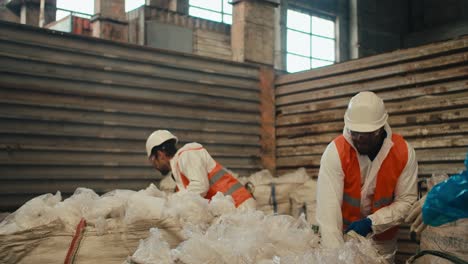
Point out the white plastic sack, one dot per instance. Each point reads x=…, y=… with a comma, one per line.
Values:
x=263, y=183
x=50, y=243
x=282, y=208
x=303, y=200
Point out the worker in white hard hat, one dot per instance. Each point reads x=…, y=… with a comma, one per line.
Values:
x=193, y=169
x=367, y=180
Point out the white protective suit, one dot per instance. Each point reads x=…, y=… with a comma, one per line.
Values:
x=195, y=165
x=330, y=193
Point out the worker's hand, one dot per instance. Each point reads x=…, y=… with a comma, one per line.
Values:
x=362, y=227
x=415, y=216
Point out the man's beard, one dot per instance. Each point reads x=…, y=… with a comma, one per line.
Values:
x=164, y=172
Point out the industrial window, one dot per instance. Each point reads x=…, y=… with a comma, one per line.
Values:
x=310, y=41
x=133, y=4
x=83, y=8
x=216, y=10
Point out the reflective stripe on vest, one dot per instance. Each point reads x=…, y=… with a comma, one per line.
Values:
x=387, y=179
x=352, y=201
x=220, y=181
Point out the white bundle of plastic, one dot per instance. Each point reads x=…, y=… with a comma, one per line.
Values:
x=119, y=205
x=116, y=221
x=36, y=212
x=303, y=200
x=152, y=250
x=272, y=194
x=71, y=210
x=140, y=206
x=238, y=236
x=167, y=185
x=221, y=204
x=190, y=208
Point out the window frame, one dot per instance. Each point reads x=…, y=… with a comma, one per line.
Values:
x=310, y=35
x=222, y=13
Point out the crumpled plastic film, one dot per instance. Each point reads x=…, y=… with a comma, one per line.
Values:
x=153, y=250
x=290, y=235
x=152, y=190
x=252, y=237
x=214, y=232
x=71, y=210
x=140, y=206
x=37, y=211
x=221, y=204
x=189, y=208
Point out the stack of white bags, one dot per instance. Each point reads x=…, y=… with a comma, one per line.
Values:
x=292, y=193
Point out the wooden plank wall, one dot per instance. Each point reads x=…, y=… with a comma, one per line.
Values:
x=425, y=90
x=76, y=111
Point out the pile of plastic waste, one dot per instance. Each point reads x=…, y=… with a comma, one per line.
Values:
x=121, y=206
x=250, y=237
x=211, y=232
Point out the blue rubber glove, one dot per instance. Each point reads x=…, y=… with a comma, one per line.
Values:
x=362, y=227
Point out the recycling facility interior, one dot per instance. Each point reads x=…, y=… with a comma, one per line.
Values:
x=79, y=97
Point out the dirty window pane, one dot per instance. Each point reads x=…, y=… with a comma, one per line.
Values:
x=227, y=19
x=83, y=6
x=133, y=4
x=310, y=40
x=297, y=63
x=298, y=43
x=323, y=27
x=227, y=7
x=214, y=5
x=298, y=21
x=210, y=15
x=323, y=48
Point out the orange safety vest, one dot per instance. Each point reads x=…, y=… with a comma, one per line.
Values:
x=387, y=179
x=220, y=181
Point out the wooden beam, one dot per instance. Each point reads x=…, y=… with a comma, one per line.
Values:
x=368, y=75
x=412, y=79
x=85, y=103
x=429, y=117
x=398, y=94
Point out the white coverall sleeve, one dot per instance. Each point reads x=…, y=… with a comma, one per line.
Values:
x=194, y=165
x=329, y=198
x=406, y=192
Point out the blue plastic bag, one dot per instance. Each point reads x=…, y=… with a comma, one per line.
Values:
x=448, y=200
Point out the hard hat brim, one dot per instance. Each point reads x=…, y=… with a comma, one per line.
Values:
x=365, y=128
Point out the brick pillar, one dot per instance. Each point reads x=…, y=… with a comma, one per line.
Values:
x=253, y=31
x=110, y=20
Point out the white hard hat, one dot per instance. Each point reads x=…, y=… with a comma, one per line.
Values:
x=366, y=113
x=157, y=138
